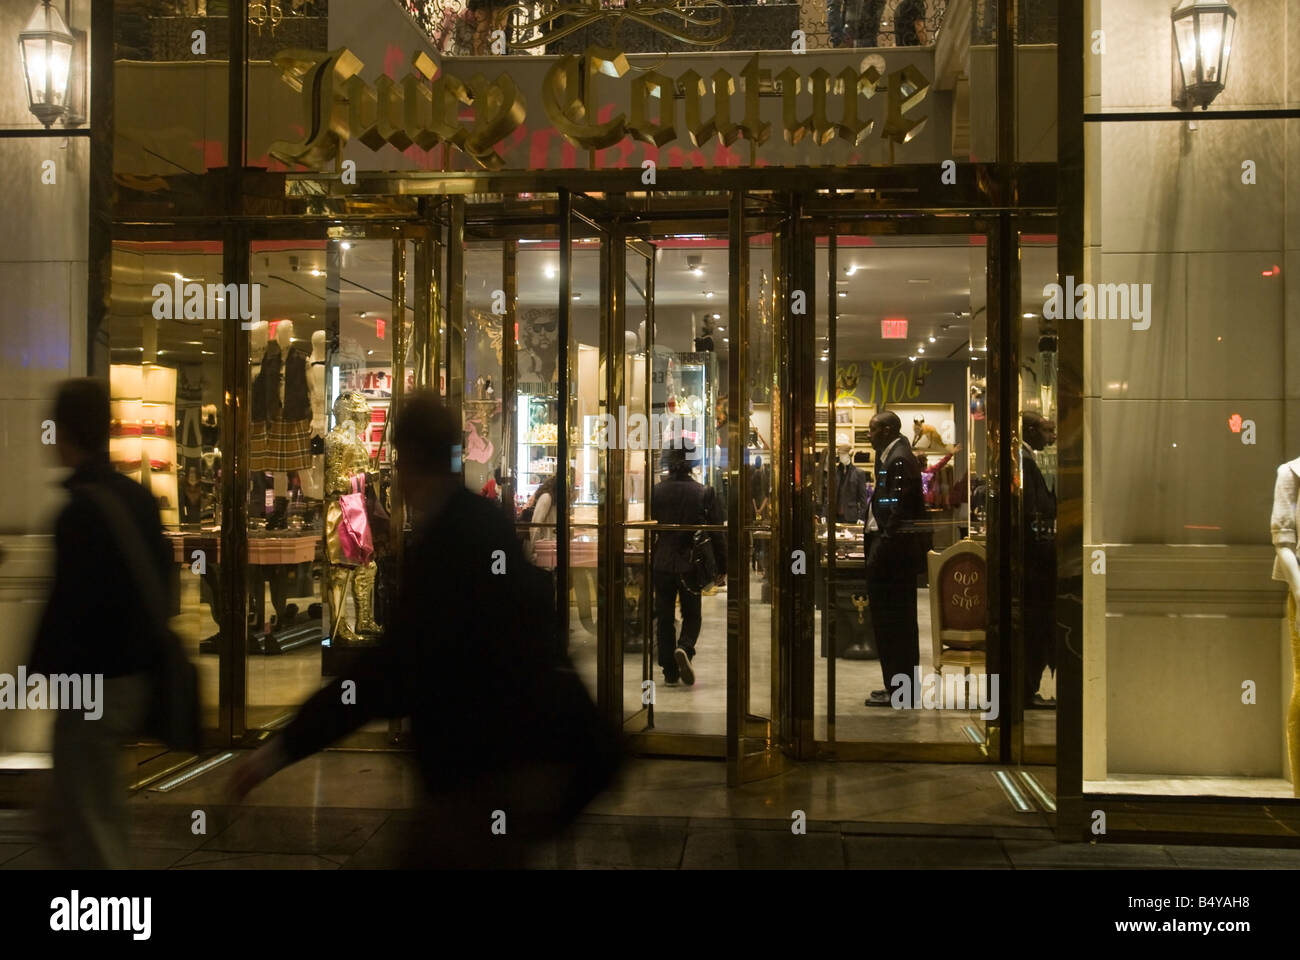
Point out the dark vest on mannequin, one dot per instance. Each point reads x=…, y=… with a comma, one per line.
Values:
x=266, y=386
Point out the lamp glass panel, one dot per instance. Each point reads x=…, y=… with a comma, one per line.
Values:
x=60, y=54
x=35, y=63
x=1211, y=45
x=1229, y=27
x=1184, y=33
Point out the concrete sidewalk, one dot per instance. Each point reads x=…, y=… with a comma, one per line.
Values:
x=344, y=809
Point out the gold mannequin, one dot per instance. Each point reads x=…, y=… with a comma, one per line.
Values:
x=1285, y=523
x=346, y=456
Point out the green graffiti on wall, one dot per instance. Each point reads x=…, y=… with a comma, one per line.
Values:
x=889, y=382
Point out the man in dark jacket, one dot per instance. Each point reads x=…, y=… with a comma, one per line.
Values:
x=509, y=744
x=680, y=499
x=96, y=623
x=1038, y=535
x=894, y=547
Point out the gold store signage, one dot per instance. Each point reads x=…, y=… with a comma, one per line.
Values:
x=579, y=96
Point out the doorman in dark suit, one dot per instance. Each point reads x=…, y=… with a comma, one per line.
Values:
x=894, y=552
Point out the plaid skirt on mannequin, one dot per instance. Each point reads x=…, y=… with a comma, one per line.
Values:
x=280, y=445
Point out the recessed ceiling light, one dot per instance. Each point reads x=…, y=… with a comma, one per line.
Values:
x=920, y=349
x=720, y=329
x=726, y=340
x=345, y=245
x=844, y=293
x=825, y=359
x=698, y=271
x=851, y=270
x=913, y=359
x=932, y=340
x=370, y=353
x=717, y=316
x=708, y=294
x=1029, y=316
x=577, y=296
x=317, y=272
x=550, y=273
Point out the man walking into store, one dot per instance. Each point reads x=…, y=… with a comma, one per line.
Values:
x=681, y=499
x=894, y=552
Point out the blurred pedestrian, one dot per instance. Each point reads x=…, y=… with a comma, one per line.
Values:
x=111, y=579
x=509, y=743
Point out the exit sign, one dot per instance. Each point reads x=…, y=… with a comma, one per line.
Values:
x=893, y=328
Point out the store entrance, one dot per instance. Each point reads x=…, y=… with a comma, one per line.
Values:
x=597, y=333
x=602, y=342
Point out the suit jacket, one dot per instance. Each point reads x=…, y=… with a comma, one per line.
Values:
x=850, y=494
x=898, y=505
x=1039, y=503
x=683, y=500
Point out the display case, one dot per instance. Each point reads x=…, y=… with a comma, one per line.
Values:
x=539, y=442
x=685, y=385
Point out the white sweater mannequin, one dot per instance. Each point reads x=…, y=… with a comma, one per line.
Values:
x=1285, y=524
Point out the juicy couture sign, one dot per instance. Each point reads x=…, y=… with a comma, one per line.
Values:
x=679, y=110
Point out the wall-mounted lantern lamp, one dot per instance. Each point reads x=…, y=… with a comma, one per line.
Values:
x=1203, y=31
x=54, y=66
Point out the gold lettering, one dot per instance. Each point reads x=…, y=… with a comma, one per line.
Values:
x=754, y=128
x=907, y=88
x=498, y=112
x=647, y=85
x=321, y=78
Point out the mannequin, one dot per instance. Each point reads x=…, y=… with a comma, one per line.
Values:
x=346, y=456
x=280, y=401
x=1286, y=520
x=313, y=485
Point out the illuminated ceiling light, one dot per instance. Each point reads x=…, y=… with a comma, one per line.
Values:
x=717, y=316
x=843, y=293
x=1203, y=31
x=851, y=270
x=1028, y=316
x=577, y=296
x=317, y=272
x=708, y=294
x=920, y=349
x=550, y=272
x=932, y=340
x=346, y=245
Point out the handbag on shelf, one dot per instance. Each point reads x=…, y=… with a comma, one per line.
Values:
x=354, y=524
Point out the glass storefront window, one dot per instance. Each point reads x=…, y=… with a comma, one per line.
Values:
x=1187, y=438
x=165, y=388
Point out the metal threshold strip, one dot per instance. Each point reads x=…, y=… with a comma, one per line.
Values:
x=183, y=772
